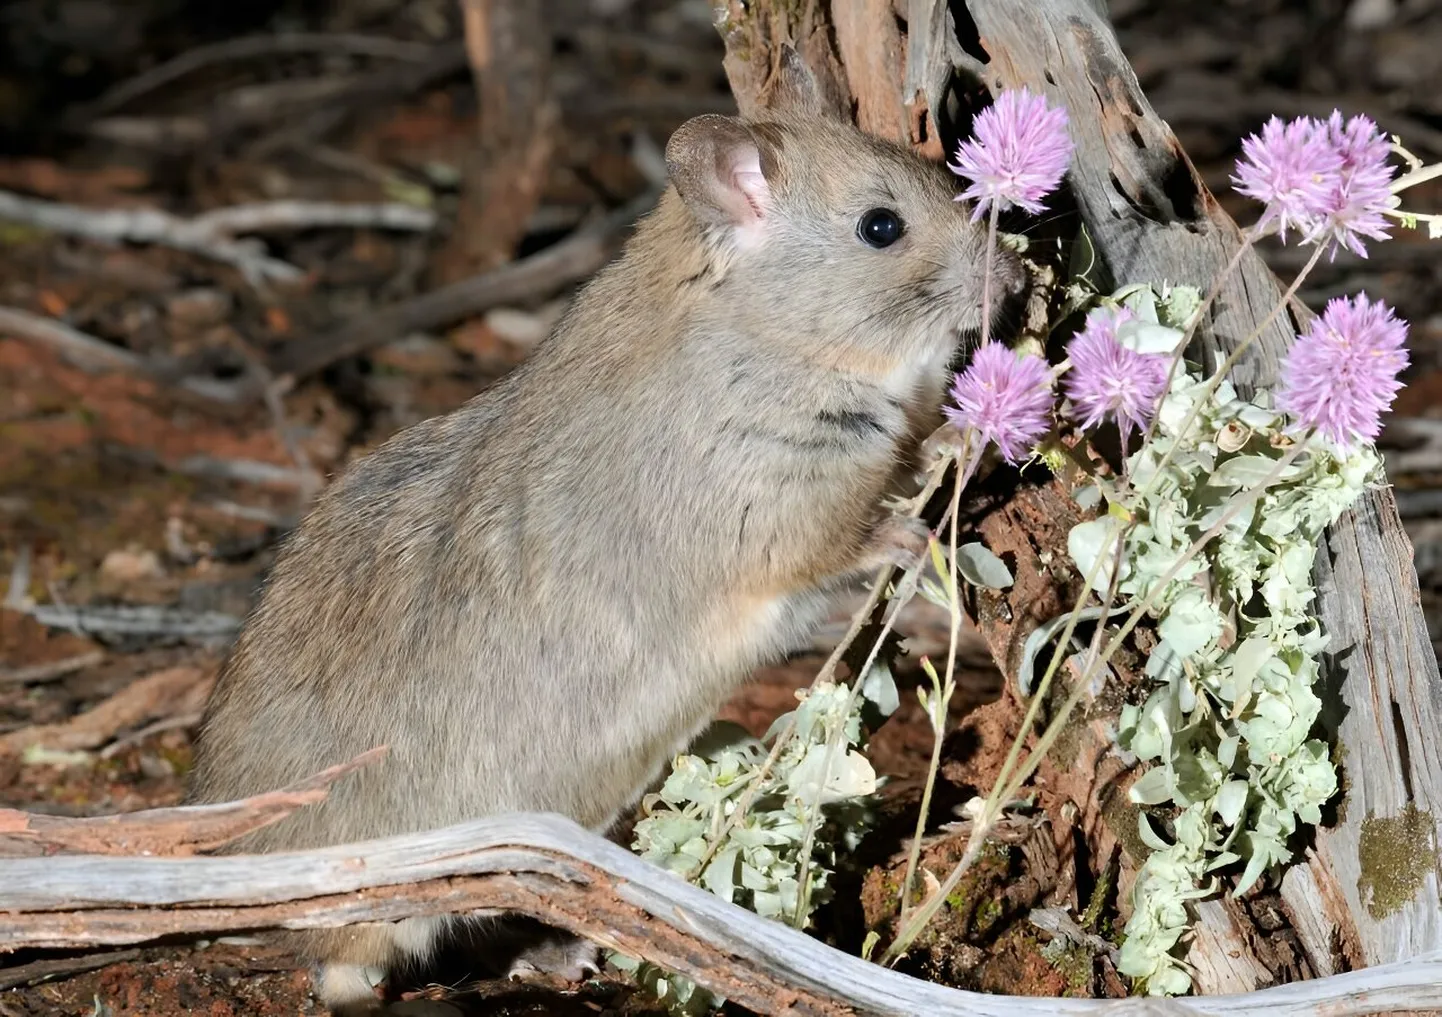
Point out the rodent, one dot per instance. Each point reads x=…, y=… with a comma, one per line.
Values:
x=537, y=599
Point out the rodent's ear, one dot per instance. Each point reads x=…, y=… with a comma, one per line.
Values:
x=715, y=163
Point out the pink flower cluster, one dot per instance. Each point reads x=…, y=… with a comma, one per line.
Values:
x=1108, y=379
x=1018, y=153
x=1329, y=180
x=1005, y=398
x=1341, y=375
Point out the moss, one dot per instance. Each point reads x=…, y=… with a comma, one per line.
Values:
x=1075, y=965
x=1396, y=854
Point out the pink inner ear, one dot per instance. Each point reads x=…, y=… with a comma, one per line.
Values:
x=747, y=178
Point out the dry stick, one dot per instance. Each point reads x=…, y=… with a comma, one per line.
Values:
x=60, y=967
x=578, y=256
x=249, y=47
x=1053, y=731
x=179, y=830
x=51, y=670
x=94, y=355
x=212, y=234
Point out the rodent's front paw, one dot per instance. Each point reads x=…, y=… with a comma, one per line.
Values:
x=944, y=444
x=899, y=540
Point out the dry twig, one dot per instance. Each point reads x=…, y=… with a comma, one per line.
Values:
x=250, y=47
x=201, y=627
x=543, y=273
x=51, y=670
x=152, y=696
x=212, y=235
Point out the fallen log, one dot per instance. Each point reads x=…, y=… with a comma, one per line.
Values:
x=549, y=868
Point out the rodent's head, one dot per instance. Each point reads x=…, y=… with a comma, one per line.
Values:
x=825, y=233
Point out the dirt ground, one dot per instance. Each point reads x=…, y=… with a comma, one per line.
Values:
x=129, y=490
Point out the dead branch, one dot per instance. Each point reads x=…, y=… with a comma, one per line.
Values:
x=71, y=345
x=140, y=701
x=96, y=356
x=271, y=216
x=175, y=831
x=249, y=471
x=508, y=45
x=61, y=967
x=550, y=868
x=248, y=48
x=200, y=627
x=532, y=278
x=51, y=670
x=212, y=235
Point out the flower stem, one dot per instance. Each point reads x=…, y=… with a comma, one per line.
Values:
x=1249, y=238
x=944, y=690
x=1418, y=176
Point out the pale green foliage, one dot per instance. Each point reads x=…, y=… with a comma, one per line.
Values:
x=759, y=864
x=1227, y=725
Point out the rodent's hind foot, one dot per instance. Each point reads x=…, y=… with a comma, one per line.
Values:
x=562, y=956
x=349, y=990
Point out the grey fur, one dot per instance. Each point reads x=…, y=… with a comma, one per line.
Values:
x=537, y=599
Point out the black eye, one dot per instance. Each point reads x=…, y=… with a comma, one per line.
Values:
x=880, y=227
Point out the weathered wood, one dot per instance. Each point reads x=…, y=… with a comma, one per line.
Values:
x=1151, y=218
x=552, y=869
x=175, y=831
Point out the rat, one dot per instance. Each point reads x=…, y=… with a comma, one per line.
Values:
x=536, y=600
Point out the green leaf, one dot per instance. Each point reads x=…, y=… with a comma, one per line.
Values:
x=1231, y=800
x=879, y=687
x=1147, y=337
x=1152, y=787
x=1248, y=472
x=980, y=567
x=1089, y=541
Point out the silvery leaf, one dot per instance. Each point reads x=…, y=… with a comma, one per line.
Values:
x=980, y=567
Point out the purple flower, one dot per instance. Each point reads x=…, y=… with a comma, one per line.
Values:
x=1005, y=397
x=1017, y=154
x=1341, y=376
x=1106, y=379
x=1294, y=169
x=1362, y=188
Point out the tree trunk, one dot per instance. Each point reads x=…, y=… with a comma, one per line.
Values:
x=1367, y=891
